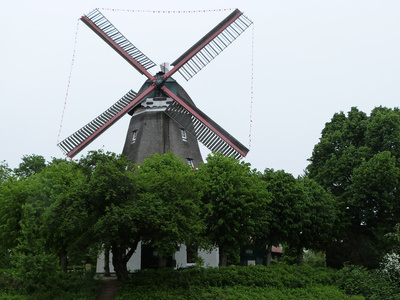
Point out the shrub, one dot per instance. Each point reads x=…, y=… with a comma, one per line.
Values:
x=314, y=258
x=357, y=280
x=36, y=272
x=234, y=282
x=8, y=284
x=390, y=266
x=65, y=286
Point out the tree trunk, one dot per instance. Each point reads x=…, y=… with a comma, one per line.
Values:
x=223, y=257
x=121, y=258
x=268, y=255
x=107, y=262
x=64, y=260
x=300, y=256
x=119, y=263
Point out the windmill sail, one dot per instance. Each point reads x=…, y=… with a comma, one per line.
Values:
x=212, y=44
x=96, y=21
x=209, y=133
x=77, y=141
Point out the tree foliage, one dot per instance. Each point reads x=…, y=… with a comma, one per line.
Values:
x=236, y=203
x=55, y=209
x=5, y=171
x=303, y=214
x=394, y=239
x=69, y=209
x=286, y=194
x=30, y=165
x=357, y=159
x=156, y=203
x=12, y=199
x=168, y=196
x=110, y=206
x=34, y=266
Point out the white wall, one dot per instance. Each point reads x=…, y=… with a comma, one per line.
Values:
x=211, y=259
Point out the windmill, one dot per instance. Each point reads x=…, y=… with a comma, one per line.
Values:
x=162, y=112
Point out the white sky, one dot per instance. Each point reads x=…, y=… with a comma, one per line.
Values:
x=312, y=58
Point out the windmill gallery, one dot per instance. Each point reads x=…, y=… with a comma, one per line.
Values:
x=164, y=117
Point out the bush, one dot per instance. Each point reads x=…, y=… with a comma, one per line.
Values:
x=8, y=284
x=314, y=258
x=73, y=285
x=65, y=286
x=357, y=280
x=236, y=292
x=390, y=266
x=275, y=276
x=234, y=282
x=35, y=271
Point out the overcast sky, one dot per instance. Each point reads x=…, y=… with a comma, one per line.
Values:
x=311, y=59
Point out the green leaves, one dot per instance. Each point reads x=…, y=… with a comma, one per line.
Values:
x=168, y=197
x=302, y=212
x=383, y=131
x=5, y=171
x=375, y=191
x=235, y=201
x=357, y=159
x=12, y=199
x=31, y=164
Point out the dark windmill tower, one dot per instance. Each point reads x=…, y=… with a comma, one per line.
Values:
x=152, y=130
x=164, y=117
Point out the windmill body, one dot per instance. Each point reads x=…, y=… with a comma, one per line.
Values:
x=152, y=131
x=164, y=117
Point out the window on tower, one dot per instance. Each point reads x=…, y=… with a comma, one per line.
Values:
x=184, y=135
x=134, y=136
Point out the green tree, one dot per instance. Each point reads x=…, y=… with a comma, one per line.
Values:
x=373, y=201
x=13, y=194
x=33, y=266
x=383, y=131
x=111, y=206
x=285, y=196
x=30, y=165
x=318, y=215
x=340, y=150
x=303, y=213
x=5, y=171
x=156, y=203
x=357, y=159
x=169, y=202
x=236, y=203
x=57, y=202
x=12, y=198
x=393, y=238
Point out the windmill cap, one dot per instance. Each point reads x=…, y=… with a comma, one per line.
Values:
x=164, y=67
